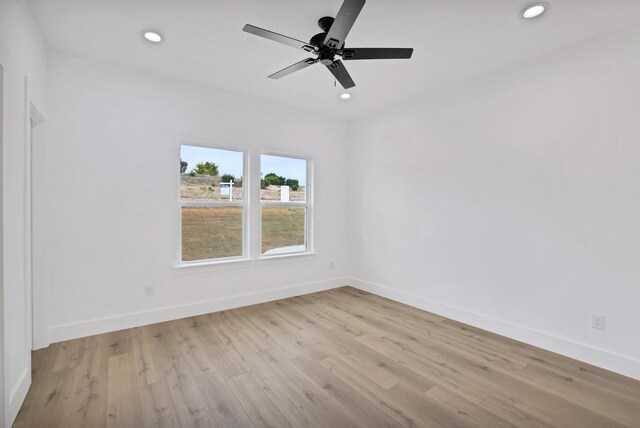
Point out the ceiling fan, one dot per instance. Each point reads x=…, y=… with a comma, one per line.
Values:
x=330, y=43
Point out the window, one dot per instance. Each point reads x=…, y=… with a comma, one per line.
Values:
x=284, y=202
x=212, y=202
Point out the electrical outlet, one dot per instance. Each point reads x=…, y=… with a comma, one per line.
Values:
x=598, y=321
x=332, y=265
x=148, y=290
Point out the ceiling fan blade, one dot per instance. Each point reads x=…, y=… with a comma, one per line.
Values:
x=341, y=74
x=341, y=26
x=251, y=29
x=376, y=53
x=292, y=68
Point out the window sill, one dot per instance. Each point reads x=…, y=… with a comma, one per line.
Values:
x=186, y=265
x=286, y=255
x=237, y=261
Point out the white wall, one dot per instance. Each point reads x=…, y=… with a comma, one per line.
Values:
x=23, y=56
x=115, y=135
x=513, y=202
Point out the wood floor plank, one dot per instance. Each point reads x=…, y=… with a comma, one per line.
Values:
x=42, y=361
x=281, y=333
x=613, y=382
x=123, y=401
x=69, y=354
x=356, y=356
x=246, y=355
x=429, y=410
x=250, y=329
x=146, y=370
x=619, y=408
x=367, y=388
x=157, y=405
x=337, y=358
x=90, y=401
x=513, y=414
x=223, y=404
x=304, y=311
x=333, y=412
x=259, y=407
x=292, y=406
x=53, y=398
x=191, y=407
x=362, y=407
x=441, y=375
x=470, y=412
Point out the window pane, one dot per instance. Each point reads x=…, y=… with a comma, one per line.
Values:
x=283, y=230
x=283, y=179
x=206, y=174
x=211, y=232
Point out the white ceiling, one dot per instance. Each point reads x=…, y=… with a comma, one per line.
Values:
x=454, y=40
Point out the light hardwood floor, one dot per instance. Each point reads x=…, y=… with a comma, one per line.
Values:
x=339, y=358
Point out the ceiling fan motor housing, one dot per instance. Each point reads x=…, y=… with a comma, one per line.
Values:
x=326, y=54
x=318, y=40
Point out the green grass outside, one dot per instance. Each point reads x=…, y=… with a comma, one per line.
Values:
x=215, y=232
x=282, y=227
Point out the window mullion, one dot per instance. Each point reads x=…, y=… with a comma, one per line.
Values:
x=195, y=204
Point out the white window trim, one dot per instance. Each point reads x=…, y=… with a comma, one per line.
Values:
x=245, y=204
x=308, y=203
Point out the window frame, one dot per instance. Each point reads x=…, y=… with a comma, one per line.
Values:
x=245, y=204
x=308, y=204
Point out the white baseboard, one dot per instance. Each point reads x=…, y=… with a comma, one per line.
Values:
x=59, y=333
x=617, y=363
x=17, y=396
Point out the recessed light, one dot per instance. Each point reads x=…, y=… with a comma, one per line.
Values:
x=534, y=10
x=152, y=36
x=345, y=96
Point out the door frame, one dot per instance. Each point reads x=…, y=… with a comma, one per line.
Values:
x=3, y=105
x=36, y=256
